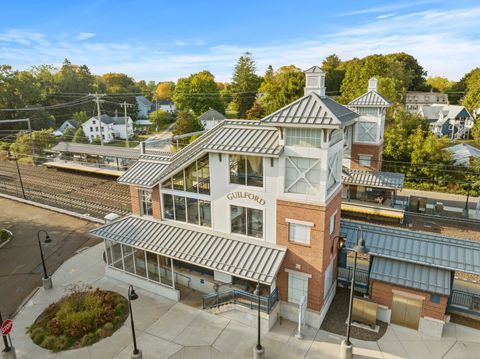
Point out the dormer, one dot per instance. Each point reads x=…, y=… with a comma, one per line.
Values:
x=315, y=81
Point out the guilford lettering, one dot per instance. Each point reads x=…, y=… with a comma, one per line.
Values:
x=253, y=197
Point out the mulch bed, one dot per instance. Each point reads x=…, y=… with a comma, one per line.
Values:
x=335, y=320
x=466, y=321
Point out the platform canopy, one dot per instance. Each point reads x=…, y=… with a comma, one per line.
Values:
x=376, y=179
x=97, y=150
x=248, y=259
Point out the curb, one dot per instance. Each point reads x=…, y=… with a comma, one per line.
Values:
x=56, y=209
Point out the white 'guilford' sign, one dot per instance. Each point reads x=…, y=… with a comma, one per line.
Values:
x=251, y=196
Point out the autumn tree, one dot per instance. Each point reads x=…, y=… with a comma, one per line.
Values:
x=164, y=91
x=439, y=83
x=245, y=83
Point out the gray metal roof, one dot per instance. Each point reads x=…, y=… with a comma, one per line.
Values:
x=370, y=99
x=251, y=260
x=252, y=140
x=312, y=110
x=84, y=148
x=377, y=179
x=145, y=171
x=411, y=275
x=414, y=246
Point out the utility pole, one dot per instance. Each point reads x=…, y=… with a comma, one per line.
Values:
x=31, y=138
x=97, y=100
x=19, y=175
x=124, y=104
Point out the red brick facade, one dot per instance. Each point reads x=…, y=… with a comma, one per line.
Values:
x=156, y=206
x=134, y=199
x=376, y=151
x=382, y=293
x=314, y=258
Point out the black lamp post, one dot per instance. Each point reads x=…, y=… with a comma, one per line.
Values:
x=258, y=351
x=468, y=187
x=359, y=248
x=47, y=281
x=137, y=354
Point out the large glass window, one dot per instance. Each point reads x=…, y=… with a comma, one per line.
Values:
x=304, y=137
x=152, y=266
x=246, y=221
x=302, y=175
x=128, y=259
x=246, y=170
x=368, y=111
x=187, y=209
x=366, y=131
x=140, y=267
x=194, y=178
x=145, y=198
x=297, y=287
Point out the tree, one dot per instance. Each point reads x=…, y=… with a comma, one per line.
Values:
x=79, y=136
x=160, y=119
x=256, y=112
x=198, y=92
x=475, y=131
x=472, y=89
x=80, y=117
x=164, y=91
x=68, y=134
x=441, y=84
x=41, y=120
x=245, y=83
x=119, y=83
x=334, y=73
x=96, y=141
x=186, y=123
x=281, y=87
x=42, y=140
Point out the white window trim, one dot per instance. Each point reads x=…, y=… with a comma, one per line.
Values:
x=296, y=221
x=302, y=175
x=360, y=159
x=300, y=242
x=298, y=273
x=334, y=217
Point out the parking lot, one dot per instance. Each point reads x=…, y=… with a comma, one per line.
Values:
x=20, y=263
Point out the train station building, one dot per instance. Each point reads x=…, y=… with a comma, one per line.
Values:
x=259, y=203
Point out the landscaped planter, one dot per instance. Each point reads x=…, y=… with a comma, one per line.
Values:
x=80, y=318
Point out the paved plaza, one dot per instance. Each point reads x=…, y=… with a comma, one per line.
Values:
x=166, y=329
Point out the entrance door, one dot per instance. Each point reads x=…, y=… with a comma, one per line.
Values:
x=406, y=311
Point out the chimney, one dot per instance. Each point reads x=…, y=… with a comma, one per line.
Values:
x=315, y=81
x=372, y=84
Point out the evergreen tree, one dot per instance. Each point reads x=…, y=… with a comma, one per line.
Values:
x=334, y=73
x=245, y=83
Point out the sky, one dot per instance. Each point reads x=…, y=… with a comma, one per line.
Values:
x=164, y=40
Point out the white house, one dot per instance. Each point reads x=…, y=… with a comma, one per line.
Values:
x=211, y=118
x=144, y=106
x=67, y=124
x=414, y=100
x=112, y=128
x=165, y=105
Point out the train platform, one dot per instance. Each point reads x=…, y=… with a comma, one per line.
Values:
x=83, y=168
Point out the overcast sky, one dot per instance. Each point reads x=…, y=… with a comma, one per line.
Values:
x=164, y=40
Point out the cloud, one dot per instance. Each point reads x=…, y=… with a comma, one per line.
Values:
x=385, y=16
x=84, y=36
x=386, y=8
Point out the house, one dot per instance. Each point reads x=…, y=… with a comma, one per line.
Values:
x=463, y=154
x=67, y=124
x=257, y=204
x=453, y=121
x=165, y=105
x=144, y=106
x=414, y=100
x=111, y=128
x=211, y=118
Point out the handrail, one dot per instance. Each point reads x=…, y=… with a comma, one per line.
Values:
x=240, y=297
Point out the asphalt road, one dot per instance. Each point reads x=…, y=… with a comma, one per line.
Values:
x=20, y=263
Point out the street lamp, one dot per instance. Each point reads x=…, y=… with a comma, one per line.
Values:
x=346, y=348
x=258, y=351
x=46, y=280
x=137, y=354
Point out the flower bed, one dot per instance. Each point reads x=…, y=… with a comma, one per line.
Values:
x=80, y=318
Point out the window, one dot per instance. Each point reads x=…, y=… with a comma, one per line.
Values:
x=331, y=227
x=246, y=170
x=336, y=136
x=299, y=233
x=246, y=221
x=435, y=298
x=365, y=160
x=367, y=111
x=91, y=129
x=194, y=178
x=303, y=137
x=145, y=198
x=367, y=131
x=96, y=128
x=152, y=267
x=328, y=281
x=334, y=171
x=302, y=175
x=297, y=287
x=94, y=122
x=186, y=209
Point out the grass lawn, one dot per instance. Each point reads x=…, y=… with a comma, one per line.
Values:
x=80, y=318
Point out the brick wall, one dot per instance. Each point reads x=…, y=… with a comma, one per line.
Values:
x=134, y=199
x=381, y=293
x=157, y=209
x=312, y=259
x=376, y=151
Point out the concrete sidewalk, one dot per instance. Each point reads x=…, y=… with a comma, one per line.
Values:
x=166, y=329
